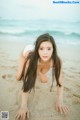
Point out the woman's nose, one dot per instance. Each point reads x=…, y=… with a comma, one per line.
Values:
x=45, y=51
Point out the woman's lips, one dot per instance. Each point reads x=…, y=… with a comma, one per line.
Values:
x=45, y=56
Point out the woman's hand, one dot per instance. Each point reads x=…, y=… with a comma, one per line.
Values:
x=61, y=108
x=22, y=114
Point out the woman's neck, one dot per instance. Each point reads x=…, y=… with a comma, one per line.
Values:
x=44, y=62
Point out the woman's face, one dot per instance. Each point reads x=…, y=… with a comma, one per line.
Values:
x=45, y=51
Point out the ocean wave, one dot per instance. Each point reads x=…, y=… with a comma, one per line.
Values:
x=23, y=32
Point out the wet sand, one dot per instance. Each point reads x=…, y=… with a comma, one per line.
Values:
x=10, y=87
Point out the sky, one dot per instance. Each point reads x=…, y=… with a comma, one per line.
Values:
x=39, y=9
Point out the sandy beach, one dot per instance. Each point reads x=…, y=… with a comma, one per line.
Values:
x=10, y=87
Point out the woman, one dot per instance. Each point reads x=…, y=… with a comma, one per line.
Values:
x=40, y=68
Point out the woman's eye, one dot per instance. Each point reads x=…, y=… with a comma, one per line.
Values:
x=49, y=48
x=41, y=48
x=46, y=49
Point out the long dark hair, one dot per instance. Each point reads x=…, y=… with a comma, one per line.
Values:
x=29, y=76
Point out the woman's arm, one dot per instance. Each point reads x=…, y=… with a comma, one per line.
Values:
x=23, y=112
x=60, y=89
x=24, y=99
x=59, y=103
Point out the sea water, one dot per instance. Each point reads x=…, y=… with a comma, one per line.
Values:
x=28, y=30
